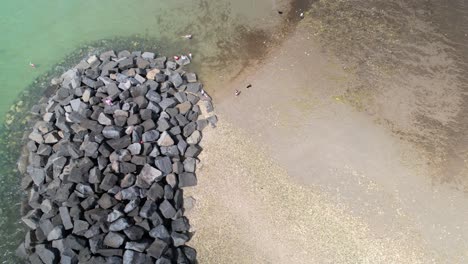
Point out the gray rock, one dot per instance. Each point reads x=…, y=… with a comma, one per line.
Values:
x=181, y=96
x=168, y=192
x=124, y=54
x=133, y=119
x=130, y=193
x=127, y=181
x=119, y=225
x=83, y=190
x=77, y=105
x=75, y=243
x=193, y=151
x=160, y=78
x=175, y=130
x=163, y=125
x=86, y=95
x=189, y=129
x=59, y=244
x=130, y=206
x=179, y=239
x=46, y=255
x=178, y=199
x=107, y=55
x=148, y=175
x=148, y=125
x=171, y=65
x=56, y=233
x=120, y=143
x=140, y=79
x=156, y=192
x=171, y=179
x=137, y=246
x=80, y=227
x=167, y=102
x=163, y=261
x=171, y=151
x=49, y=117
x=164, y=164
x=113, y=260
x=126, y=167
x=106, y=201
x=108, y=253
x=112, y=132
x=94, y=175
x=92, y=231
x=46, y=226
x=65, y=216
x=148, y=55
x=187, y=179
x=114, y=215
x=191, y=77
x=194, y=138
x=165, y=140
x=104, y=119
x=134, y=232
x=36, y=136
x=201, y=124
x=74, y=150
x=139, y=160
x=135, y=148
x=31, y=146
x=181, y=120
x=167, y=210
x=46, y=206
x=209, y=106
x=90, y=148
x=194, y=88
x=133, y=257
x=148, y=209
x=146, y=114
x=108, y=182
x=44, y=150
x=142, y=63
x=189, y=164
x=157, y=248
x=160, y=232
x=180, y=225
x=105, y=150
x=150, y=136
x=114, y=240
x=184, y=107
x=213, y=120
x=176, y=80
x=37, y=175
x=126, y=64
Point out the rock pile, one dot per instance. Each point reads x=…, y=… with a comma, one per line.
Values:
x=107, y=163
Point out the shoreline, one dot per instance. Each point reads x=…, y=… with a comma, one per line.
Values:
x=302, y=120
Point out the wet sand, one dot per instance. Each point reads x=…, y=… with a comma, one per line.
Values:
x=295, y=174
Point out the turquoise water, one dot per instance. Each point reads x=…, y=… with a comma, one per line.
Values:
x=227, y=34
x=43, y=32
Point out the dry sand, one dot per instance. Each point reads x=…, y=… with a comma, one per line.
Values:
x=249, y=211
x=295, y=175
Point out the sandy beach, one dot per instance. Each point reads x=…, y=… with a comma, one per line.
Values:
x=296, y=174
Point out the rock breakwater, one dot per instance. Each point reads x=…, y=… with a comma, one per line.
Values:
x=107, y=163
